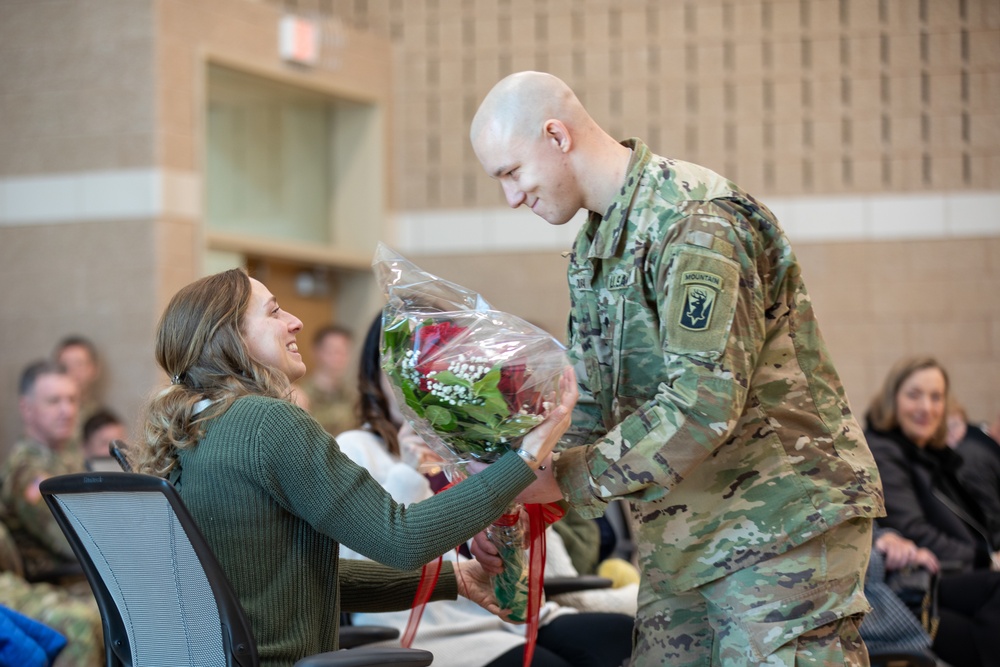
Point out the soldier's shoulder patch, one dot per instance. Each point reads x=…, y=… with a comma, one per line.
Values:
x=702, y=295
x=700, y=291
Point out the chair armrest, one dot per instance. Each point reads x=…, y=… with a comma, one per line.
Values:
x=584, y=582
x=368, y=656
x=359, y=635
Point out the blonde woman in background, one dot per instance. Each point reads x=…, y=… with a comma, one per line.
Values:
x=929, y=506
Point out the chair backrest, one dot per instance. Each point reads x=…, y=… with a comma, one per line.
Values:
x=163, y=597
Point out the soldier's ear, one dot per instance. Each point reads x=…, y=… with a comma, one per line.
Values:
x=557, y=135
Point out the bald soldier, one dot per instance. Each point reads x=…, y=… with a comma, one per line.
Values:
x=708, y=399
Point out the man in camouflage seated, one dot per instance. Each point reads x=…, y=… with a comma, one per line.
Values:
x=48, y=403
x=33, y=549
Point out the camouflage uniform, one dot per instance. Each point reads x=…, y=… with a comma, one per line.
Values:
x=333, y=409
x=709, y=401
x=74, y=616
x=42, y=545
x=71, y=612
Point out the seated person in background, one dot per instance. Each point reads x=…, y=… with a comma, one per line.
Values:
x=78, y=355
x=72, y=612
x=890, y=626
x=48, y=404
x=980, y=454
x=925, y=499
x=460, y=634
x=968, y=607
x=271, y=490
x=327, y=392
x=99, y=432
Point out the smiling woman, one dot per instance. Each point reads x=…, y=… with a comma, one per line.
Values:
x=925, y=501
x=270, y=333
x=273, y=493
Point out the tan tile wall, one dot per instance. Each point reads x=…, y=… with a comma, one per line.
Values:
x=92, y=279
x=789, y=96
x=876, y=302
x=77, y=95
x=77, y=86
x=785, y=96
x=117, y=85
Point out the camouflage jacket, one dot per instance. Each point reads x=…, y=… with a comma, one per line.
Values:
x=43, y=546
x=334, y=410
x=708, y=398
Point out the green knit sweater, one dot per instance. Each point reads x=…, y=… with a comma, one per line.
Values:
x=274, y=497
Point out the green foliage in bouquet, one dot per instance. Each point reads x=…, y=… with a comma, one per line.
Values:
x=511, y=586
x=478, y=408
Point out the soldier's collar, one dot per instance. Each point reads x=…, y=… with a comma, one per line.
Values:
x=609, y=227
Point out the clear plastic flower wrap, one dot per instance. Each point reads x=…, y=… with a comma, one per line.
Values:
x=472, y=381
x=509, y=534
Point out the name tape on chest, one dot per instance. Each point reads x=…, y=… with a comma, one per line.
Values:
x=621, y=279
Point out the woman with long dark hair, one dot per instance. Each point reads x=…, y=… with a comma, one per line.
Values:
x=456, y=633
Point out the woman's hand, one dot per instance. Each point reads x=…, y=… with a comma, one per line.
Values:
x=486, y=553
x=545, y=488
x=414, y=451
x=900, y=552
x=540, y=441
x=926, y=559
x=474, y=583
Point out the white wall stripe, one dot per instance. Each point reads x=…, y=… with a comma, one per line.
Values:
x=805, y=219
x=152, y=193
x=99, y=195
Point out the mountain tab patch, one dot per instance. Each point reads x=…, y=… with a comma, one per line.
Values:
x=700, y=291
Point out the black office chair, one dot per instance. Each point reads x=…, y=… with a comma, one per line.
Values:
x=163, y=597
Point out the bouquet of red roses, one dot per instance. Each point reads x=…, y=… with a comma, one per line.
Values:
x=473, y=381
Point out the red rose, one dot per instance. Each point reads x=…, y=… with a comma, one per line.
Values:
x=429, y=340
x=511, y=385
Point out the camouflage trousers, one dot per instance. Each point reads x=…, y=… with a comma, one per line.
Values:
x=801, y=608
x=72, y=612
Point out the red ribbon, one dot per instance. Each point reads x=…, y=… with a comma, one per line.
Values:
x=428, y=580
x=429, y=574
x=539, y=517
